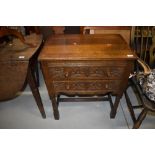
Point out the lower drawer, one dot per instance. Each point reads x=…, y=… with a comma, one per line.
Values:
x=108, y=85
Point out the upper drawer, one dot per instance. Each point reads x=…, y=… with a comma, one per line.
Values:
x=86, y=72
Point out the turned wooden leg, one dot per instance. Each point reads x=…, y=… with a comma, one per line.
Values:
x=33, y=85
x=58, y=98
x=114, y=109
x=55, y=107
x=140, y=119
x=110, y=100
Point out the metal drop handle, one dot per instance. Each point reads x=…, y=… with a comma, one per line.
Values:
x=66, y=74
x=106, y=86
x=67, y=87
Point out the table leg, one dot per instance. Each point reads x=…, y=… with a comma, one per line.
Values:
x=55, y=107
x=114, y=109
x=37, y=74
x=33, y=85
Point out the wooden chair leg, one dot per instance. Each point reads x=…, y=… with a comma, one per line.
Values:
x=140, y=119
x=37, y=74
x=130, y=107
x=33, y=85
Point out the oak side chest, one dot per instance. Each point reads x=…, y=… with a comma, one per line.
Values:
x=86, y=65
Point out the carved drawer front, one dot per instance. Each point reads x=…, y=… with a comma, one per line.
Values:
x=60, y=73
x=115, y=72
x=86, y=85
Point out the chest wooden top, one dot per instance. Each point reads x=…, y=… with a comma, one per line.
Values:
x=86, y=47
x=19, y=51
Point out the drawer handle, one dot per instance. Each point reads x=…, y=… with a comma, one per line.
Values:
x=67, y=87
x=66, y=74
x=106, y=86
x=108, y=73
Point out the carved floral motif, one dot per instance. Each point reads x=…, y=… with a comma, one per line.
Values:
x=84, y=72
x=83, y=85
